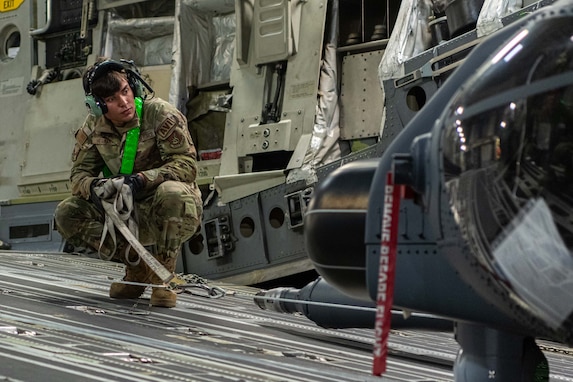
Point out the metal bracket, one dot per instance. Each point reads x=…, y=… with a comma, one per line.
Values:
x=219, y=238
x=297, y=203
x=432, y=68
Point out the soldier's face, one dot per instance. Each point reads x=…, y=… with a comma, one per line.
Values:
x=121, y=105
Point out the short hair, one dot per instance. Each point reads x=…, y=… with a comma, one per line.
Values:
x=108, y=84
x=104, y=78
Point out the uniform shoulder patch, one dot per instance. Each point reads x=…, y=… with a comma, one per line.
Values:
x=176, y=139
x=82, y=134
x=81, y=137
x=167, y=127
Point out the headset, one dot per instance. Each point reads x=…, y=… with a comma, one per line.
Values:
x=96, y=105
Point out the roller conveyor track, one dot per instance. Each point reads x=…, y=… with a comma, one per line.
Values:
x=57, y=323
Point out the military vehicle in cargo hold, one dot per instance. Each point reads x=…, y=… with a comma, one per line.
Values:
x=277, y=94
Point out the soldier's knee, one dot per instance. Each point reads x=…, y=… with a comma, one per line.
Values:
x=176, y=199
x=63, y=212
x=73, y=209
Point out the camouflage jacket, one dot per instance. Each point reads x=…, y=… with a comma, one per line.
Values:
x=165, y=150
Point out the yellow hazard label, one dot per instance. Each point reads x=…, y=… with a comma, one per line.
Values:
x=10, y=5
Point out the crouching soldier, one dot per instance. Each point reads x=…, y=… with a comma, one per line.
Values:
x=145, y=143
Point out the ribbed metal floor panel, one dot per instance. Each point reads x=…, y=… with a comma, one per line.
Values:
x=57, y=323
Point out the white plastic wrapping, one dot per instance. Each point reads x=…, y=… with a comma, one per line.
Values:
x=323, y=147
x=202, y=49
x=213, y=6
x=410, y=37
x=146, y=41
x=197, y=36
x=492, y=11
x=224, y=47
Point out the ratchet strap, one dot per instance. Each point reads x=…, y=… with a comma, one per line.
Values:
x=169, y=279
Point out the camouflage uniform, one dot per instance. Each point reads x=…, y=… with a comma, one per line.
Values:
x=169, y=207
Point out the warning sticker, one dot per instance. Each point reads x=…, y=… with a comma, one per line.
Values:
x=11, y=86
x=10, y=5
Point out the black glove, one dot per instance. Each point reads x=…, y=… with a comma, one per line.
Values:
x=135, y=183
x=93, y=197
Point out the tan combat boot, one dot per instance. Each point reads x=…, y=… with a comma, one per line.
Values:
x=140, y=273
x=163, y=297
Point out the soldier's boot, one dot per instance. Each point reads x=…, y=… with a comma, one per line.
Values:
x=4, y=245
x=163, y=297
x=140, y=273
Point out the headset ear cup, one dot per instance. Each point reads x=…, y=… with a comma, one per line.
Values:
x=94, y=106
x=138, y=89
x=135, y=84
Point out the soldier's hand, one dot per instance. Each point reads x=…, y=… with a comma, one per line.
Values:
x=94, y=198
x=135, y=182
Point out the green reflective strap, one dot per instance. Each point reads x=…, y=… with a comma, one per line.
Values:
x=131, y=142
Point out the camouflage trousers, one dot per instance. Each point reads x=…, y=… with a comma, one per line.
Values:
x=167, y=218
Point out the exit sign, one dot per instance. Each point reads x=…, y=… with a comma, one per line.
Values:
x=10, y=5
